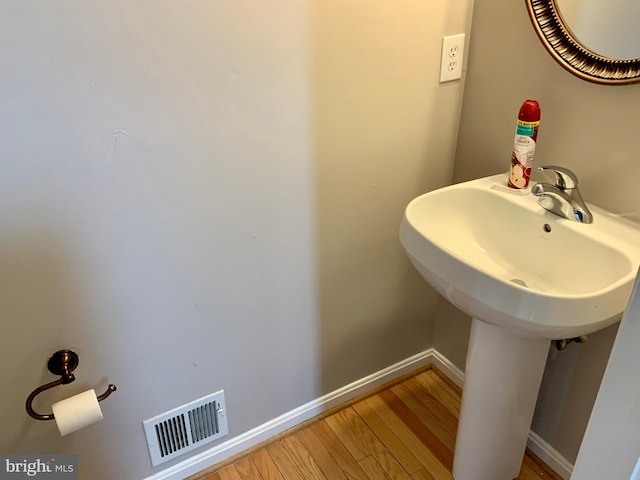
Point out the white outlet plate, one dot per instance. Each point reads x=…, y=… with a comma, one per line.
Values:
x=452, y=57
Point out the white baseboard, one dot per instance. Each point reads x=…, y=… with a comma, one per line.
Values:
x=549, y=455
x=294, y=417
x=449, y=369
x=322, y=404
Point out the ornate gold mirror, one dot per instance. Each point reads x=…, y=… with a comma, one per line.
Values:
x=596, y=40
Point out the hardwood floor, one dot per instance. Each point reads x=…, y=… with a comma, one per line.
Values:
x=403, y=431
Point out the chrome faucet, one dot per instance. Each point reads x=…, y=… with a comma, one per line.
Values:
x=563, y=198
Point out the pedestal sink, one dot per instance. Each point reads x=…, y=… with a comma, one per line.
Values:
x=526, y=276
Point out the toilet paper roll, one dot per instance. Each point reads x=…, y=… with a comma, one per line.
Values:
x=77, y=412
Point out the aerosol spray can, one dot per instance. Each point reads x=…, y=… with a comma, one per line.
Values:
x=524, y=145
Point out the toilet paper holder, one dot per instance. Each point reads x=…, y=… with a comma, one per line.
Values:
x=62, y=363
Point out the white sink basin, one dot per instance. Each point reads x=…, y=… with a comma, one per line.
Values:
x=526, y=276
x=497, y=255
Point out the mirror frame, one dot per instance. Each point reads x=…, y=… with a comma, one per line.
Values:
x=567, y=50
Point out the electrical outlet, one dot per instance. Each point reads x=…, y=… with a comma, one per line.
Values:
x=452, y=57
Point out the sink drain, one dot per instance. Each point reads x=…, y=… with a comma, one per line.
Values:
x=520, y=282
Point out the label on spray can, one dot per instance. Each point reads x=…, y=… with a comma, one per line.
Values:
x=524, y=145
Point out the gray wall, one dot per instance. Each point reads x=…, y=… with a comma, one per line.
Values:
x=589, y=128
x=203, y=195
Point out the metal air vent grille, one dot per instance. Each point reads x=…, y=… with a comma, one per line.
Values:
x=182, y=429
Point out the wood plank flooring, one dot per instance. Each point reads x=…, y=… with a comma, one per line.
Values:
x=403, y=431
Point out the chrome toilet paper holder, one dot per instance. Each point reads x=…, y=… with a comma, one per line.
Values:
x=62, y=363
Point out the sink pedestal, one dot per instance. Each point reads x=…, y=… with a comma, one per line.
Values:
x=502, y=378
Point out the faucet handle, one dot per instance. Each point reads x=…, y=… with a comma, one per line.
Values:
x=565, y=178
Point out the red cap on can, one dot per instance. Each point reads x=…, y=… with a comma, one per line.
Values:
x=529, y=111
